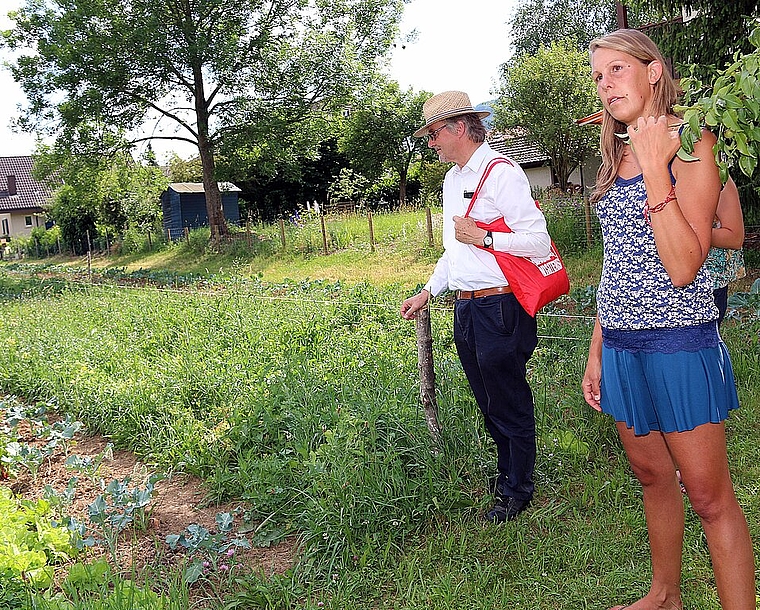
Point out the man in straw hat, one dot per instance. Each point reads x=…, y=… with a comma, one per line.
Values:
x=494, y=335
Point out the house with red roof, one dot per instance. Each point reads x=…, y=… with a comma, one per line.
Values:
x=22, y=198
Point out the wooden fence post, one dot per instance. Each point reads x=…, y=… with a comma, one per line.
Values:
x=371, y=231
x=427, y=372
x=150, y=241
x=587, y=213
x=248, y=232
x=324, y=234
x=187, y=235
x=89, y=257
x=429, y=220
x=282, y=233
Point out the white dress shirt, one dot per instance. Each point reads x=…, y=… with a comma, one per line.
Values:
x=505, y=193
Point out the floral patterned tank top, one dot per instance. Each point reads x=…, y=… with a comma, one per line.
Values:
x=635, y=291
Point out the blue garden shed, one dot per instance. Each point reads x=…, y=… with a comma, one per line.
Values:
x=184, y=205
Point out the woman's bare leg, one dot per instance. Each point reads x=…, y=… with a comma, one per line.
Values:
x=653, y=466
x=701, y=457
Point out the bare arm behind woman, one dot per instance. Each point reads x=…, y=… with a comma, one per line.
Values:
x=730, y=233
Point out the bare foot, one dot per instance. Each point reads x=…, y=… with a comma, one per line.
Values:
x=645, y=603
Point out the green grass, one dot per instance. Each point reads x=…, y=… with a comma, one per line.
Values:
x=290, y=381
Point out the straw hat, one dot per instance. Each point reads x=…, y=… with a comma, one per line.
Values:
x=444, y=106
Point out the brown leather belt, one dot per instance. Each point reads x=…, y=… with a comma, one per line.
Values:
x=483, y=292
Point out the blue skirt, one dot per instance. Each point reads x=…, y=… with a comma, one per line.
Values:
x=669, y=380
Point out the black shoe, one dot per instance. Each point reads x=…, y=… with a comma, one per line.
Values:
x=506, y=509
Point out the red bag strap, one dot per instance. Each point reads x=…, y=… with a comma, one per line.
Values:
x=491, y=164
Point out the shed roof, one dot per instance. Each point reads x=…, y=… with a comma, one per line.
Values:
x=197, y=187
x=30, y=194
x=518, y=147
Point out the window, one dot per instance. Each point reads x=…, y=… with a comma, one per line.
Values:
x=6, y=228
x=28, y=221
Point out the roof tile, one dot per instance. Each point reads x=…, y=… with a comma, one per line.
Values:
x=30, y=194
x=518, y=148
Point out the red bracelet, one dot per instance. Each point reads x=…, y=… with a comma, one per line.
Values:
x=660, y=206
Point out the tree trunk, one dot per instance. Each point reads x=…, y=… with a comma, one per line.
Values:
x=216, y=219
x=214, y=210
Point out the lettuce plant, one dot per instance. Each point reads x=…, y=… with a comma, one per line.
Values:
x=30, y=540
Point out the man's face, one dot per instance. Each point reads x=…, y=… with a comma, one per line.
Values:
x=441, y=140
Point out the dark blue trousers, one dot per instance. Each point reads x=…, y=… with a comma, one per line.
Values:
x=495, y=337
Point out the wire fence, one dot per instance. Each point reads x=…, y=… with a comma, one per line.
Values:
x=571, y=222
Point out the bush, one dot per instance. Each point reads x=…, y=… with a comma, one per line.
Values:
x=566, y=221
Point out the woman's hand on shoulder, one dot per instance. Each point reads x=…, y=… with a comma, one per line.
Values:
x=654, y=142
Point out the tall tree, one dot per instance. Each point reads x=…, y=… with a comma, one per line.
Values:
x=542, y=22
x=705, y=34
x=185, y=170
x=209, y=68
x=703, y=38
x=543, y=94
x=378, y=134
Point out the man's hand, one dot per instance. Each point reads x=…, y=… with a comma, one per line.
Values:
x=412, y=305
x=467, y=232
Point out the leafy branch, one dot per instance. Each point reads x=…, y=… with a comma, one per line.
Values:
x=731, y=108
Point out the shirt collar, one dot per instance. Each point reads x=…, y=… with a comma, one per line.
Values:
x=476, y=161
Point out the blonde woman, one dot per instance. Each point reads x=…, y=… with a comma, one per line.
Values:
x=656, y=362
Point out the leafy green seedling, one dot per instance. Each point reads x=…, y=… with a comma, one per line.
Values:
x=121, y=506
x=62, y=499
x=90, y=465
x=200, y=543
x=22, y=455
x=61, y=433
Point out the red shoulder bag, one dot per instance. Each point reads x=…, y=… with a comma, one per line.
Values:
x=535, y=282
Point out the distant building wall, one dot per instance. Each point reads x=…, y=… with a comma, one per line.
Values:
x=184, y=206
x=20, y=223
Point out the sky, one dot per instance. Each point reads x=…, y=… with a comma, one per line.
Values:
x=457, y=48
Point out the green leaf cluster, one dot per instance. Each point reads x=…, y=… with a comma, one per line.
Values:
x=377, y=137
x=730, y=107
x=120, y=506
x=200, y=543
x=30, y=541
x=703, y=34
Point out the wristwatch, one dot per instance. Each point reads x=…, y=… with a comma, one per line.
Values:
x=488, y=240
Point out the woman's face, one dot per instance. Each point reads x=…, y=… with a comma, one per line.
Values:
x=623, y=83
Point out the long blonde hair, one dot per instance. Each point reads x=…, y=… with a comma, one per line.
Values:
x=665, y=94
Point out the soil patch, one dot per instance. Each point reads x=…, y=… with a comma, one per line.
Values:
x=178, y=501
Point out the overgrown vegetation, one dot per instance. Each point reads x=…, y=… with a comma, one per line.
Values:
x=300, y=396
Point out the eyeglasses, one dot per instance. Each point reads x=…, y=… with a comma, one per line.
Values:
x=433, y=135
